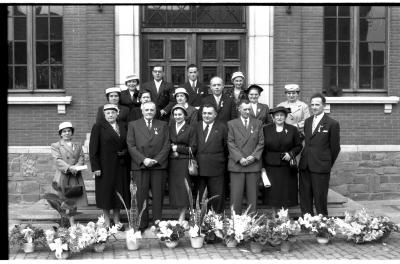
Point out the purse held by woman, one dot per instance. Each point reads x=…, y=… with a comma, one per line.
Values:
x=73, y=191
x=193, y=167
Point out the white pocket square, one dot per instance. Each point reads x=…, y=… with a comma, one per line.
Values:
x=325, y=131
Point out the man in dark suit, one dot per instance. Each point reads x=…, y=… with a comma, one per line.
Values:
x=161, y=92
x=211, y=156
x=130, y=96
x=322, y=146
x=194, y=88
x=148, y=145
x=245, y=144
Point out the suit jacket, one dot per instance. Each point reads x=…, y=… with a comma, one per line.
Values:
x=122, y=116
x=262, y=114
x=321, y=147
x=211, y=155
x=196, y=96
x=186, y=138
x=226, y=110
x=243, y=143
x=126, y=99
x=164, y=99
x=153, y=144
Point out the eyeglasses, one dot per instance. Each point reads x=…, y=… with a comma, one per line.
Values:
x=157, y=71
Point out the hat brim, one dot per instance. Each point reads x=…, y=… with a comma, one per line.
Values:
x=279, y=109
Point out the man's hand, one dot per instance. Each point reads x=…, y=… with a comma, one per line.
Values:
x=250, y=159
x=243, y=162
x=147, y=162
x=286, y=157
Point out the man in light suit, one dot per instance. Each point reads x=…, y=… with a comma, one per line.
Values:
x=194, y=88
x=245, y=144
x=148, y=145
x=322, y=146
x=161, y=92
x=211, y=156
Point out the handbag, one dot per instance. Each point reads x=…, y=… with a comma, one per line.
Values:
x=73, y=191
x=192, y=166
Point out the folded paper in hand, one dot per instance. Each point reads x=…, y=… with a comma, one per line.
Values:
x=81, y=167
x=265, y=179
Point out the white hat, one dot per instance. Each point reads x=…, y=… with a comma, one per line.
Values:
x=65, y=125
x=180, y=90
x=292, y=88
x=131, y=77
x=110, y=107
x=113, y=90
x=237, y=74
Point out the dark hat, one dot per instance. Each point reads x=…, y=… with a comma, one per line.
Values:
x=254, y=86
x=177, y=106
x=280, y=109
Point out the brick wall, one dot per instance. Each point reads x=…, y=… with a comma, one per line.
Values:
x=298, y=55
x=88, y=69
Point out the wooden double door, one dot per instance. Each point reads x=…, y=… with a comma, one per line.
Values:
x=214, y=54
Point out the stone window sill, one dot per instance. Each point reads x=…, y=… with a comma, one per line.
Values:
x=387, y=101
x=60, y=101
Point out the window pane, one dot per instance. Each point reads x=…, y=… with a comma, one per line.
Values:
x=231, y=49
x=19, y=11
x=330, y=53
x=10, y=29
x=330, y=80
x=208, y=73
x=372, y=11
x=378, y=53
x=178, y=49
x=365, y=54
x=56, y=28
x=344, y=77
x=378, y=77
x=372, y=29
x=180, y=16
x=344, y=29
x=56, y=53
x=330, y=11
x=56, y=77
x=344, y=11
x=42, y=77
x=344, y=53
x=156, y=49
x=41, y=28
x=20, y=77
x=42, y=53
x=10, y=77
x=10, y=52
x=365, y=77
x=20, y=52
x=228, y=73
x=19, y=28
x=42, y=10
x=178, y=74
x=209, y=49
x=56, y=10
x=330, y=29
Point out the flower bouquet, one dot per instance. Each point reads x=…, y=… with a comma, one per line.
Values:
x=321, y=226
x=212, y=223
x=169, y=231
x=257, y=233
x=363, y=227
x=99, y=233
x=28, y=236
x=58, y=241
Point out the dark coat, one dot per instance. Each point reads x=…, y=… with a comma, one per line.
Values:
x=126, y=99
x=211, y=155
x=196, y=96
x=164, y=100
x=153, y=144
x=226, y=110
x=321, y=147
x=122, y=115
x=262, y=113
x=103, y=147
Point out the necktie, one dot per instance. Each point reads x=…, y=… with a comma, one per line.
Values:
x=193, y=86
x=149, y=124
x=245, y=124
x=205, y=133
x=314, y=124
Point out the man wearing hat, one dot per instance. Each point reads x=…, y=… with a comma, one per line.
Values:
x=161, y=92
x=149, y=146
x=322, y=147
x=194, y=88
x=113, y=95
x=130, y=96
x=299, y=110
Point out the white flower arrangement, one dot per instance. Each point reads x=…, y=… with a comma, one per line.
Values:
x=170, y=230
x=319, y=225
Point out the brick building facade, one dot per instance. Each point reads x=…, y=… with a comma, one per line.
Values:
x=282, y=44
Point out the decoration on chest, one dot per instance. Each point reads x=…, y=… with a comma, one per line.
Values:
x=251, y=130
x=319, y=128
x=155, y=131
x=222, y=104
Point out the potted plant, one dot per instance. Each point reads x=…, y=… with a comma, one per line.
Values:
x=324, y=228
x=257, y=233
x=58, y=241
x=133, y=234
x=27, y=236
x=197, y=215
x=64, y=206
x=169, y=231
x=99, y=233
x=212, y=223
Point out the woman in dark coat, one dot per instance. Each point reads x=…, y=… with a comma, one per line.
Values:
x=110, y=160
x=281, y=143
x=183, y=137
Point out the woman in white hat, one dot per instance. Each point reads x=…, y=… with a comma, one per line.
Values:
x=183, y=137
x=182, y=97
x=67, y=156
x=113, y=95
x=110, y=162
x=299, y=110
x=238, y=93
x=130, y=96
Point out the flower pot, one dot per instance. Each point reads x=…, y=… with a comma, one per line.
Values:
x=133, y=244
x=171, y=244
x=99, y=247
x=63, y=255
x=231, y=243
x=322, y=240
x=255, y=247
x=197, y=242
x=285, y=247
x=28, y=247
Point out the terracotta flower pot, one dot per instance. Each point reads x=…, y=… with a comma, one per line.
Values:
x=99, y=247
x=197, y=242
x=28, y=247
x=285, y=247
x=255, y=247
x=231, y=243
x=171, y=244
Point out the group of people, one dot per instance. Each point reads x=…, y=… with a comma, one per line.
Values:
x=148, y=133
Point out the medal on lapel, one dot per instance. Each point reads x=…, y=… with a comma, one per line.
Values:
x=156, y=131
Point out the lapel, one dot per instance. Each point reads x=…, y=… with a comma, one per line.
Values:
x=143, y=128
x=240, y=126
x=260, y=109
x=322, y=123
x=107, y=126
x=162, y=87
x=66, y=147
x=183, y=129
x=213, y=132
